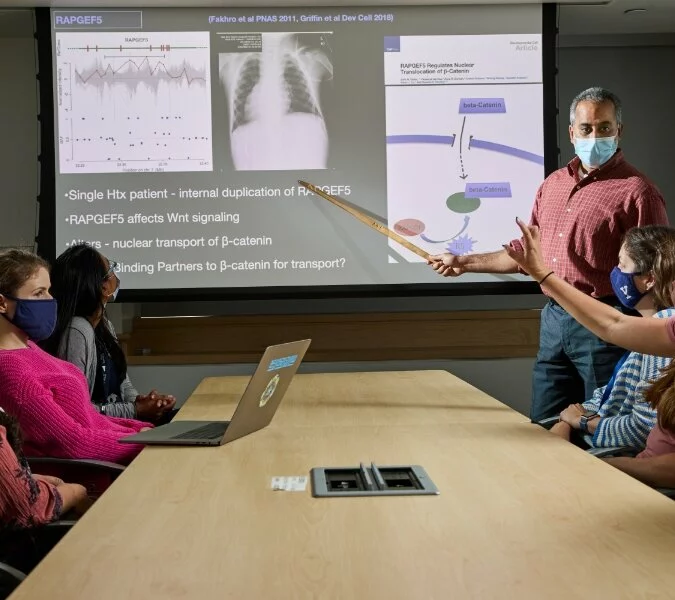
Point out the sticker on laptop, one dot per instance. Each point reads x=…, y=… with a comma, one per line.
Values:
x=269, y=390
x=282, y=363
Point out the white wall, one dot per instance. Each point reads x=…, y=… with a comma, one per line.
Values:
x=639, y=73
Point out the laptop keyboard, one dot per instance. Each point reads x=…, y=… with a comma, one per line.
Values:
x=211, y=431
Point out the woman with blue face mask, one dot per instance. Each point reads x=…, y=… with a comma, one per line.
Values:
x=83, y=282
x=648, y=336
x=617, y=414
x=656, y=464
x=48, y=396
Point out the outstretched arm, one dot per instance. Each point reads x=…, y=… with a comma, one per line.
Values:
x=450, y=265
x=648, y=336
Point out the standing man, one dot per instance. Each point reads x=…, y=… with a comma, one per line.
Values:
x=583, y=211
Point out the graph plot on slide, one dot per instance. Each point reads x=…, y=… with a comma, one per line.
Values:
x=133, y=103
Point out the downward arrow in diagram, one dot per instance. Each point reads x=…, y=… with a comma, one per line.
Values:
x=464, y=175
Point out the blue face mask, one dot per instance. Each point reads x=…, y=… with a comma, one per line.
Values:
x=36, y=318
x=624, y=287
x=594, y=152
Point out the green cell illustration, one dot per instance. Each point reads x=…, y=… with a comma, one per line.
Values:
x=459, y=203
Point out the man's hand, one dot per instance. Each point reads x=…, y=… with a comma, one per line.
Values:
x=446, y=264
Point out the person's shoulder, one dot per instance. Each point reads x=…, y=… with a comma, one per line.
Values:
x=11, y=360
x=563, y=173
x=636, y=178
x=559, y=179
x=81, y=326
x=19, y=368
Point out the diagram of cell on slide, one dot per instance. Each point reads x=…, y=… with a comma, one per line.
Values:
x=464, y=139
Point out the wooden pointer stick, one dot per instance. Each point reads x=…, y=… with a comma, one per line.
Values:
x=372, y=223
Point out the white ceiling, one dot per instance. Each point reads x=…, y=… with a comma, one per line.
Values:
x=577, y=17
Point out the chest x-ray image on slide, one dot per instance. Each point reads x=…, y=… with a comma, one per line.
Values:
x=273, y=84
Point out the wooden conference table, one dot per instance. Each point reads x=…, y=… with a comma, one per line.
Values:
x=521, y=513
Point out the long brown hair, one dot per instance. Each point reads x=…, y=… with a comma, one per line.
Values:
x=652, y=249
x=661, y=397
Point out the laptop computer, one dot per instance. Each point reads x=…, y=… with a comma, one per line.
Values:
x=255, y=410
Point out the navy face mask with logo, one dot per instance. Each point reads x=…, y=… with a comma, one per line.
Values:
x=624, y=287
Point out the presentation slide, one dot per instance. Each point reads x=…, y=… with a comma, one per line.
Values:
x=181, y=134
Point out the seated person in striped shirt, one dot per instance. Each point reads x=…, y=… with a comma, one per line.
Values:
x=654, y=466
x=617, y=414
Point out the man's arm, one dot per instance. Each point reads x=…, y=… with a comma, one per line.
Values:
x=490, y=262
x=656, y=471
x=499, y=262
x=450, y=265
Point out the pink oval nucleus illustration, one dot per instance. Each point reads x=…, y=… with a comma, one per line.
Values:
x=409, y=227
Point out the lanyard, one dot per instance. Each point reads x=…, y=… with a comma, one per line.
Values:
x=612, y=380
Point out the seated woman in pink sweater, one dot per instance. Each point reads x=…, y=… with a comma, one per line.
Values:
x=48, y=396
